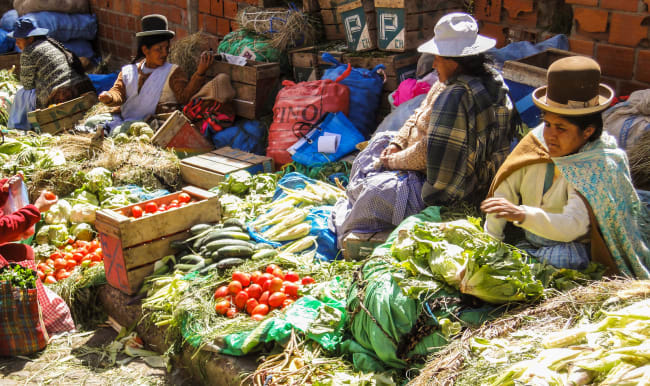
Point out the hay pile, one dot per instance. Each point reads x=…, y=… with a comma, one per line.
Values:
x=286, y=27
x=186, y=52
x=453, y=365
x=639, y=156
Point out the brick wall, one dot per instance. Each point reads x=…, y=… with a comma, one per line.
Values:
x=614, y=32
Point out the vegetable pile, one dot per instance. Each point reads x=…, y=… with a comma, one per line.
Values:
x=18, y=276
x=63, y=262
x=152, y=207
x=243, y=196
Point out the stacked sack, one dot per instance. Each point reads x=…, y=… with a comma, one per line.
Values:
x=68, y=21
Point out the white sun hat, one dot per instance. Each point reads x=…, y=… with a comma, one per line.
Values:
x=456, y=34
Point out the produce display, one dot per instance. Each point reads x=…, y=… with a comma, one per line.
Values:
x=244, y=196
x=151, y=207
x=60, y=264
x=18, y=276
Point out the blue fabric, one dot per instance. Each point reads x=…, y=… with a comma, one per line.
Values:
x=8, y=20
x=572, y=255
x=365, y=93
x=103, y=82
x=66, y=26
x=6, y=43
x=522, y=94
x=81, y=48
x=307, y=153
x=518, y=50
x=24, y=101
x=244, y=135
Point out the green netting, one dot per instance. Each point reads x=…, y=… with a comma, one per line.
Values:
x=250, y=45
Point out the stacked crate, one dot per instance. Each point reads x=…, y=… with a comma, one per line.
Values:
x=331, y=22
x=308, y=63
x=360, y=24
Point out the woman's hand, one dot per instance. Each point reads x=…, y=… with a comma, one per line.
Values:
x=204, y=63
x=12, y=182
x=390, y=149
x=503, y=208
x=105, y=97
x=43, y=204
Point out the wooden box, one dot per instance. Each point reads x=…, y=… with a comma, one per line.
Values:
x=531, y=70
x=358, y=246
x=209, y=169
x=254, y=83
x=132, y=246
x=63, y=116
x=398, y=66
x=308, y=63
x=177, y=133
x=12, y=59
x=332, y=25
x=359, y=23
x=403, y=25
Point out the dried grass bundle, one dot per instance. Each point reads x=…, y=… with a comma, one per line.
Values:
x=62, y=180
x=639, y=157
x=98, y=108
x=287, y=27
x=80, y=147
x=186, y=52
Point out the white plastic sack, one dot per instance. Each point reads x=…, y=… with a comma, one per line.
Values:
x=627, y=121
x=67, y=6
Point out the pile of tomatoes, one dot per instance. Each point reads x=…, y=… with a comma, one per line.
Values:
x=152, y=207
x=61, y=263
x=258, y=293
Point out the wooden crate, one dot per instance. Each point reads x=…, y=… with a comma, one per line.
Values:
x=358, y=246
x=12, y=59
x=63, y=116
x=398, y=66
x=403, y=25
x=359, y=24
x=132, y=246
x=531, y=70
x=308, y=63
x=177, y=133
x=209, y=169
x=254, y=83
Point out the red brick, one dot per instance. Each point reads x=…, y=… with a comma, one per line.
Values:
x=181, y=33
x=488, y=10
x=621, y=5
x=223, y=26
x=515, y=7
x=133, y=24
x=527, y=20
x=174, y=15
x=204, y=6
x=234, y=26
x=135, y=8
x=208, y=23
x=593, y=3
x=585, y=47
x=229, y=9
x=616, y=61
x=647, y=4
x=128, y=5
x=643, y=66
x=626, y=29
x=495, y=31
x=590, y=20
x=216, y=8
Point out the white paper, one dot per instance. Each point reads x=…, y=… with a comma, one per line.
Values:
x=328, y=142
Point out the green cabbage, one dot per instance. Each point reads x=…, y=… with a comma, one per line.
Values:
x=82, y=231
x=238, y=182
x=58, y=234
x=82, y=213
x=98, y=179
x=59, y=213
x=43, y=235
x=82, y=196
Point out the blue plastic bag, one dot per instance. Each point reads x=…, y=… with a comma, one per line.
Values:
x=8, y=20
x=66, y=26
x=365, y=93
x=306, y=149
x=244, y=135
x=103, y=82
x=81, y=48
x=6, y=43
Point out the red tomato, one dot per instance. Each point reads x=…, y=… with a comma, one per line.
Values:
x=221, y=292
x=184, y=197
x=287, y=302
x=251, y=304
x=291, y=289
x=255, y=291
x=276, y=285
x=60, y=263
x=50, y=196
x=271, y=268
x=276, y=299
x=278, y=273
x=174, y=202
x=150, y=207
x=266, y=277
x=66, y=275
x=241, y=299
x=243, y=278
x=222, y=307
x=234, y=287
x=231, y=313
x=49, y=279
x=78, y=257
x=264, y=299
x=136, y=211
x=95, y=256
x=99, y=252
x=54, y=256
x=70, y=264
x=41, y=274
x=266, y=286
x=60, y=274
x=162, y=208
x=255, y=276
x=86, y=258
x=94, y=263
x=50, y=261
x=42, y=267
x=308, y=280
x=261, y=309
x=258, y=317
x=291, y=276
x=182, y=204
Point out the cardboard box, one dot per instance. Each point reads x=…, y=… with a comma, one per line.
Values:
x=177, y=133
x=55, y=119
x=358, y=246
x=132, y=246
x=209, y=169
x=360, y=24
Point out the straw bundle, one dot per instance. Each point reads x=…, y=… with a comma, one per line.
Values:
x=639, y=156
x=186, y=52
x=287, y=28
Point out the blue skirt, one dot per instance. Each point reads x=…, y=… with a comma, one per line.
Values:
x=572, y=255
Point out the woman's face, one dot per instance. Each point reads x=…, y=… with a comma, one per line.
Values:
x=156, y=55
x=562, y=137
x=445, y=67
x=23, y=43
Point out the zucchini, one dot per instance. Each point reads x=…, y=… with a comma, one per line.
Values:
x=191, y=259
x=199, y=228
x=205, y=270
x=198, y=266
x=217, y=244
x=227, y=235
x=178, y=245
x=235, y=251
x=264, y=254
x=234, y=222
x=229, y=263
x=184, y=267
x=261, y=246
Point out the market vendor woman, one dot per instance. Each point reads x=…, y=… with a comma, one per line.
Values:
x=49, y=73
x=150, y=84
x=567, y=184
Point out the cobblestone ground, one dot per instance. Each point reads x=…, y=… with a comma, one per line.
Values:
x=79, y=359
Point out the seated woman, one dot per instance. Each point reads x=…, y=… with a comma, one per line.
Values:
x=150, y=84
x=567, y=184
x=450, y=148
x=53, y=73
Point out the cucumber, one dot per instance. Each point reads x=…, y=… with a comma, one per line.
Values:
x=227, y=235
x=198, y=266
x=229, y=263
x=234, y=222
x=178, y=245
x=261, y=246
x=235, y=251
x=191, y=259
x=199, y=228
x=208, y=268
x=184, y=267
x=217, y=244
x=264, y=254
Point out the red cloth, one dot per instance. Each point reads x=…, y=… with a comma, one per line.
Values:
x=12, y=226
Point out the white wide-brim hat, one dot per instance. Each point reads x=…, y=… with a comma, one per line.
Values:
x=456, y=34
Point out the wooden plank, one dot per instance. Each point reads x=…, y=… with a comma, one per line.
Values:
x=217, y=160
x=200, y=177
x=330, y=16
x=169, y=129
x=151, y=252
x=7, y=61
x=250, y=73
x=245, y=91
x=304, y=57
x=213, y=167
x=310, y=6
x=244, y=108
x=357, y=246
x=414, y=6
x=327, y=4
x=334, y=32
x=136, y=278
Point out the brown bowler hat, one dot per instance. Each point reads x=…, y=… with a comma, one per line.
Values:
x=154, y=25
x=573, y=88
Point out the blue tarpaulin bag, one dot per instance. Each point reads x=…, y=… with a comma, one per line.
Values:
x=103, y=82
x=365, y=93
x=244, y=135
x=305, y=151
x=6, y=43
x=66, y=26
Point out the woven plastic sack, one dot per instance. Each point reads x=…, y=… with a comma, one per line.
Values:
x=65, y=26
x=365, y=92
x=249, y=45
x=66, y=6
x=244, y=135
x=298, y=106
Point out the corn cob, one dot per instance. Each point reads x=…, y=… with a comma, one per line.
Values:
x=565, y=338
x=301, y=244
x=271, y=217
x=288, y=220
x=293, y=233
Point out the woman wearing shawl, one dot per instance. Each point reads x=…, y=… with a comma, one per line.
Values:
x=567, y=184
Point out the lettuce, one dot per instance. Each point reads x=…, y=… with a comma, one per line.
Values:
x=59, y=213
x=98, y=179
x=82, y=231
x=82, y=213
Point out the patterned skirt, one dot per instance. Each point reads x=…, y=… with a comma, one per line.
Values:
x=572, y=255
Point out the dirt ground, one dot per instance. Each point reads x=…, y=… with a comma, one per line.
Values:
x=78, y=359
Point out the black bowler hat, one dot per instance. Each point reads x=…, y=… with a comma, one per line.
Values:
x=155, y=25
x=24, y=28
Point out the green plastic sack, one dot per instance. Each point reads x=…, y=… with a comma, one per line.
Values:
x=249, y=45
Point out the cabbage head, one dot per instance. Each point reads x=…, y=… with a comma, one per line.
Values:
x=58, y=234
x=82, y=213
x=98, y=179
x=43, y=235
x=239, y=182
x=59, y=213
x=82, y=196
x=82, y=231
